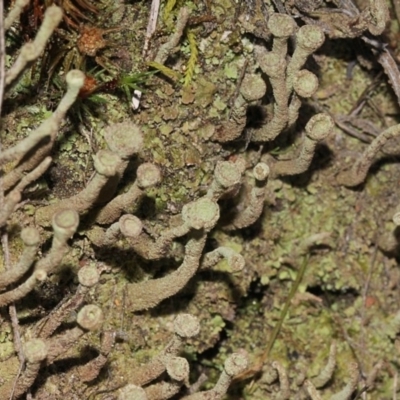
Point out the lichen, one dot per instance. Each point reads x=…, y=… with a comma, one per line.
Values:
x=348, y=294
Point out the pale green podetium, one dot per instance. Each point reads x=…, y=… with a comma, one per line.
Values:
x=305, y=85
x=317, y=129
x=281, y=26
x=198, y=218
x=274, y=66
x=308, y=39
x=358, y=172
x=252, y=199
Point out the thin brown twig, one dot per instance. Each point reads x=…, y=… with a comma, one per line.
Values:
x=392, y=71
x=152, y=24
x=341, y=123
x=365, y=95
x=21, y=366
x=375, y=108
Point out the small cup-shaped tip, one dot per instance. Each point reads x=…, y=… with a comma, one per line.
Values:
x=271, y=63
x=227, y=174
x=148, y=175
x=201, y=214
x=305, y=83
x=236, y=261
x=130, y=226
x=75, y=78
x=35, y=350
x=319, y=126
x=253, y=87
x=261, y=171
x=106, y=162
x=186, y=325
x=90, y=317
x=132, y=392
x=177, y=368
x=396, y=218
x=124, y=138
x=30, y=236
x=88, y=275
x=236, y=363
x=54, y=13
x=40, y=275
x=310, y=37
x=281, y=25
x=65, y=222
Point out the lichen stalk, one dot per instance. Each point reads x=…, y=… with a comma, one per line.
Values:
x=31, y=239
x=147, y=175
x=23, y=289
x=234, y=365
x=33, y=150
x=88, y=277
x=147, y=294
x=274, y=66
x=327, y=372
x=348, y=390
x=35, y=353
x=358, y=172
x=235, y=260
x=282, y=27
x=32, y=50
x=185, y=326
x=65, y=224
x=317, y=129
x=106, y=164
x=14, y=13
x=308, y=39
x=250, y=209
